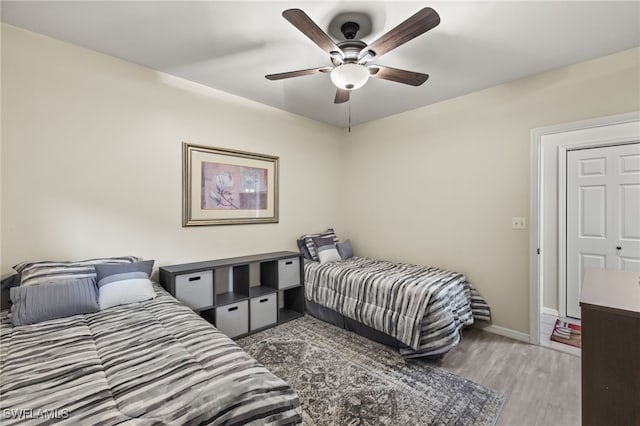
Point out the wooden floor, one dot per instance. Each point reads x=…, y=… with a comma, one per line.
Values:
x=542, y=385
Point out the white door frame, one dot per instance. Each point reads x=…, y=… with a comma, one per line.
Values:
x=536, y=260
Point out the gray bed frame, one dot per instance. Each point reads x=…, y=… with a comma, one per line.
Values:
x=332, y=317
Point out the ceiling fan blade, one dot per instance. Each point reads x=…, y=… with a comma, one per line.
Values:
x=301, y=21
x=342, y=96
x=419, y=23
x=398, y=75
x=298, y=73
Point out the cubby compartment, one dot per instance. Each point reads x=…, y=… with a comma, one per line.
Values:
x=209, y=315
x=233, y=319
x=254, y=274
x=256, y=286
x=281, y=273
x=288, y=272
x=195, y=289
x=290, y=304
x=232, y=284
x=264, y=311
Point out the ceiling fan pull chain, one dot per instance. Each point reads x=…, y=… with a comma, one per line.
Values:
x=349, y=114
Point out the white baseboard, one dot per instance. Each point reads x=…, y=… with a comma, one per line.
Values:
x=552, y=312
x=507, y=332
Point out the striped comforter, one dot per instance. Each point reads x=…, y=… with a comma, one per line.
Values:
x=423, y=307
x=149, y=363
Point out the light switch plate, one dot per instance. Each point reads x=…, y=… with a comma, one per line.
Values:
x=518, y=223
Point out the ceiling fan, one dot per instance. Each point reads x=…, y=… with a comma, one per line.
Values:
x=350, y=58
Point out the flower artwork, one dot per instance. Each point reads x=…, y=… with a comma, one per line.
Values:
x=233, y=187
x=228, y=187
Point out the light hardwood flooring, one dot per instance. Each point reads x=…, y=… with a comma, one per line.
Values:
x=542, y=385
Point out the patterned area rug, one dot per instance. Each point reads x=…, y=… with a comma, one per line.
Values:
x=346, y=379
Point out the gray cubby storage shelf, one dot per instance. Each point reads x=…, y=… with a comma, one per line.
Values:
x=240, y=295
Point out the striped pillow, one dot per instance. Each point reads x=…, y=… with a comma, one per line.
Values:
x=47, y=271
x=302, y=248
x=311, y=247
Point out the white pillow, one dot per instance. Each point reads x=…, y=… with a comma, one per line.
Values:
x=328, y=256
x=125, y=291
x=122, y=284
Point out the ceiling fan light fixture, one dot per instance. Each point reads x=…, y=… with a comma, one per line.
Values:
x=349, y=76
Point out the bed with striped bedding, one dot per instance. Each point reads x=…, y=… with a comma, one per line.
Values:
x=147, y=363
x=423, y=308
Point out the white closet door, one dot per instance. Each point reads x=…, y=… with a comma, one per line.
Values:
x=603, y=214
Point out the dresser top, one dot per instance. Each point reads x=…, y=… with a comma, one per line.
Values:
x=610, y=289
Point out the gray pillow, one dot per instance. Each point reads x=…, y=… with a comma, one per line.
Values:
x=326, y=250
x=36, y=303
x=104, y=270
x=124, y=284
x=5, y=290
x=345, y=249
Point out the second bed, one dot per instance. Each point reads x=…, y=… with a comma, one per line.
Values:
x=421, y=310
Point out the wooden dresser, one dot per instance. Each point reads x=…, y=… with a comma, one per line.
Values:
x=610, y=302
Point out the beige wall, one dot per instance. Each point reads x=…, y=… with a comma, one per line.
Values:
x=91, y=159
x=91, y=166
x=439, y=185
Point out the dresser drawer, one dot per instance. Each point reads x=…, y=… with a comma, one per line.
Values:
x=288, y=272
x=264, y=311
x=196, y=289
x=233, y=319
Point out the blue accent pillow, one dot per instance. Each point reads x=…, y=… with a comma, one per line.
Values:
x=125, y=283
x=36, y=303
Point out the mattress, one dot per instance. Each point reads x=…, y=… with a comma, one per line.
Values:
x=148, y=363
x=423, y=308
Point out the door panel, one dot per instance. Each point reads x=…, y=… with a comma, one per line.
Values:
x=629, y=264
x=589, y=261
x=603, y=214
x=629, y=208
x=592, y=211
x=630, y=164
x=593, y=167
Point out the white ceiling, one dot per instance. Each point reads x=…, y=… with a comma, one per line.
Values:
x=231, y=45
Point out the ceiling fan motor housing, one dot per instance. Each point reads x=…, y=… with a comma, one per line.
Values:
x=351, y=50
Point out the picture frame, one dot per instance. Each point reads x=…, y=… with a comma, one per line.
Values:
x=228, y=187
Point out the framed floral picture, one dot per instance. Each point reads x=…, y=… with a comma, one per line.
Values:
x=228, y=187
